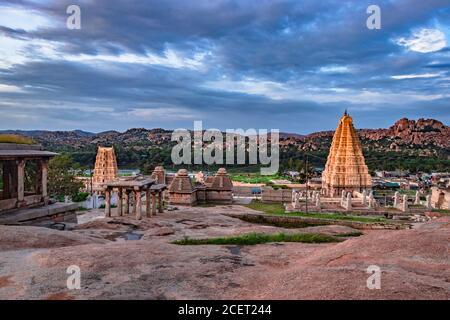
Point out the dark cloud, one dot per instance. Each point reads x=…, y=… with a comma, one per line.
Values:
x=302, y=50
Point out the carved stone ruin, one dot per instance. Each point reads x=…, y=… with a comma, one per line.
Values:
x=417, y=198
x=405, y=203
x=345, y=168
x=105, y=168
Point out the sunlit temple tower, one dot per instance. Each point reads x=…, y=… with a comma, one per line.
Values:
x=345, y=168
x=105, y=167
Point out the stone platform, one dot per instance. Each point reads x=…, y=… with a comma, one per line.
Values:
x=414, y=262
x=43, y=215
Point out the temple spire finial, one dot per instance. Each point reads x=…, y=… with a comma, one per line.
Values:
x=345, y=112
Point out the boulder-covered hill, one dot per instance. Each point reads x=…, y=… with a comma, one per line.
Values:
x=404, y=134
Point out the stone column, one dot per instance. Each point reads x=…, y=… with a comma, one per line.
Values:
x=148, y=204
x=20, y=181
x=137, y=204
x=153, y=203
x=396, y=199
x=318, y=204
x=371, y=204
x=428, y=202
x=349, y=201
x=364, y=197
x=126, y=195
x=405, y=203
x=44, y=180
x=107, y=203
x=6, y=179
x=417, y=199
x=134, y=202
x=160, y=202
x=120, y=202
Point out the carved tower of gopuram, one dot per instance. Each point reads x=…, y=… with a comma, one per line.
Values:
x=345, y=168
x=105, y=167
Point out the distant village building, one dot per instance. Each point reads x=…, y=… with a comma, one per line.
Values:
x=345, y=169
x=105, y=169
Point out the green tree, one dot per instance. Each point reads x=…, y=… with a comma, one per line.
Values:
x=62, y=173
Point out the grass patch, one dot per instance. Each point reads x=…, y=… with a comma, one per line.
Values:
x=254, y=178
x=442, y=211
x=278, y=209
x=349, y=234
x=12, y=138
x=205, y=205
x=259, y=219
x=269, y=208
x=258, y=238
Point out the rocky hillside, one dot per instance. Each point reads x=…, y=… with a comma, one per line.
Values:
x=418, y=133
x=422, y=144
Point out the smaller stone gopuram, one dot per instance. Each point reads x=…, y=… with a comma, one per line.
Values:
x=219, y=190
x=345, y=169
x=181, y=190
x=214, y=189
x=105, y=167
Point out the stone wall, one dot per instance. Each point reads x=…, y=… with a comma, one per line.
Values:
x=440, y=198
x=270, y=195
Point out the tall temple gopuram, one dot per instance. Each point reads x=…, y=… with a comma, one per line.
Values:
x=345, y=168
x=105, y=167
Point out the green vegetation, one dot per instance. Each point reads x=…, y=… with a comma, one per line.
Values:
x=12, y=138
x=349, y=234
x=291, y=224
x=269, y=208
x=254, y=178
x=442, y=211
x=278, y=209
x=335, y=216
x=258, y=238
x=80, y=197
x=62, y=173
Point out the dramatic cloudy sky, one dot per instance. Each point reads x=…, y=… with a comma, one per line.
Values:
x=293, y=65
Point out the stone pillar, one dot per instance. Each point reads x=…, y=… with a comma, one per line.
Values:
x=318, y=203
x=148, y=204
x=107, y=203
x=417, y=199
x=134, y=202
x=44, y=180
x=428, y=204
x=137, y=204
x=405, y=203
x=120, y=202
x=20, y=181
x=371, y=200
x=6, y=179
x=364, y=197
x=349, y=201
x=160, y=202
x=126, y=196
x=396, y=199
x=153, y=203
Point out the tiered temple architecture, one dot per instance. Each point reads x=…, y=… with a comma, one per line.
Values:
x=345, y=169
x=182, y=191
x=105, y=167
